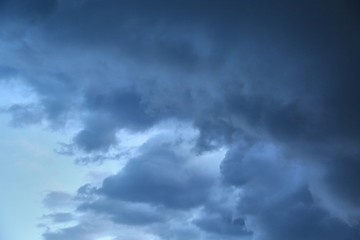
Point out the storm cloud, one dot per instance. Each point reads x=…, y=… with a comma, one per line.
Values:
x=273, y=84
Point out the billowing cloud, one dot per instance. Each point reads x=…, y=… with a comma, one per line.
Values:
x=158, y=176
x=274, y=84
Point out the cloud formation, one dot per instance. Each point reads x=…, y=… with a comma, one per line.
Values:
x=274, y=83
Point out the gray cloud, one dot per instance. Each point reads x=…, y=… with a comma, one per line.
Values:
x=61, y=217
x=342, y=179
x=222, y=224
x=23, y=115
x=159, y=176
x=297, y=217
x=57, y=199
x=275, y=82
x=276, y=200
x=125, y=213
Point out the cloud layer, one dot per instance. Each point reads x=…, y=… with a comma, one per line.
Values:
x=274, y=84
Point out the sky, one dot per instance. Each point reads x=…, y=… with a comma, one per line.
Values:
x=174, y=120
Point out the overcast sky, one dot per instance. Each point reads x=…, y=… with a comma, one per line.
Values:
x=179, y=119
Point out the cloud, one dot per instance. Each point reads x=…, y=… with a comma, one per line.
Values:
x=80, y=231
x=219, y=219
x=158, y=176
x=34, y=10
x=277, y=201
x=273, y=83
x=297, y=217
x=125, y=213
x=61, y=217
x=23, y=115
x=57, y=199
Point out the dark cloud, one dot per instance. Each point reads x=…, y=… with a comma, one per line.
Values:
x=28, y=9
x=6, y=71
x=158, y=176
x=125, y=213
x=298, y=217
x=343, y=179
x=222, y=222
x=111, y=111
x=292, y=51
x=276, y=82
x=276, y=202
